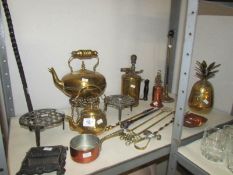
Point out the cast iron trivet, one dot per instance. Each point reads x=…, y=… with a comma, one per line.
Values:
x=120, y=102
x=41, y=119
x=39, y=160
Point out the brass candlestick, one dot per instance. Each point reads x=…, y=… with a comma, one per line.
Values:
x=166, y=98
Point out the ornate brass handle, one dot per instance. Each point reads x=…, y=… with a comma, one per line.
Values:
x=83, y=55
x=114, y=134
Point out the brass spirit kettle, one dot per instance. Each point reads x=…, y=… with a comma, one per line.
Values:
x=84, y=87
x=82, y=83
x=92, y=120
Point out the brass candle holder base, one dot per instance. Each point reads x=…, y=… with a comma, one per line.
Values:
x=166, y=98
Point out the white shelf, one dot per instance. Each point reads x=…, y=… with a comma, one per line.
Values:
x=115, y=157
x=190, y=157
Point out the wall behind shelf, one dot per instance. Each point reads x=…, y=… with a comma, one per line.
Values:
x=47, y=31
x=213, y=42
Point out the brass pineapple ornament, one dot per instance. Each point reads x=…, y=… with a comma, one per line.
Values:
x=201, y=98
x=206, y=72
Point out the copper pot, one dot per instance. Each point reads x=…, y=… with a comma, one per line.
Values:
x=85, y=148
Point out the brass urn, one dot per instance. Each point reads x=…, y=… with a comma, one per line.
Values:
x=84, y=87
x=201, y=98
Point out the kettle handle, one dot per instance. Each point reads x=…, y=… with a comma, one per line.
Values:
x=83, y=55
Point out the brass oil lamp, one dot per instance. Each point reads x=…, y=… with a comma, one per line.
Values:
x=83, y=87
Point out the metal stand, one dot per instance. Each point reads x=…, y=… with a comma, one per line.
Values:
x=192, y=10
x=120, y=102
x=41, y=119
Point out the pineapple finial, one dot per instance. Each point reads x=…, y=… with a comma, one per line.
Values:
x=203, y=71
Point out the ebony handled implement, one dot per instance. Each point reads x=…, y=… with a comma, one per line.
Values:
x=127, y=122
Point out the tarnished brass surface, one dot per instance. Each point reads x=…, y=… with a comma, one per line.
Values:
x=201, y=97
x=166, y=98
x=82, y=83
x=133, y=137
x=91, y=120
x=131, y=81
x=86, y=54
x=84, y=87
x=131, y=86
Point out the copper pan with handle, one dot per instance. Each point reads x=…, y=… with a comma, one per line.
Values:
x=85, y=148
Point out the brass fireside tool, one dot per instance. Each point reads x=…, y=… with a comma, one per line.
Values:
x=149, y=135
x=127, y=122
x=133, y=137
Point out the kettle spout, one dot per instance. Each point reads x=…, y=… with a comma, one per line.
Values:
x=58, y=83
